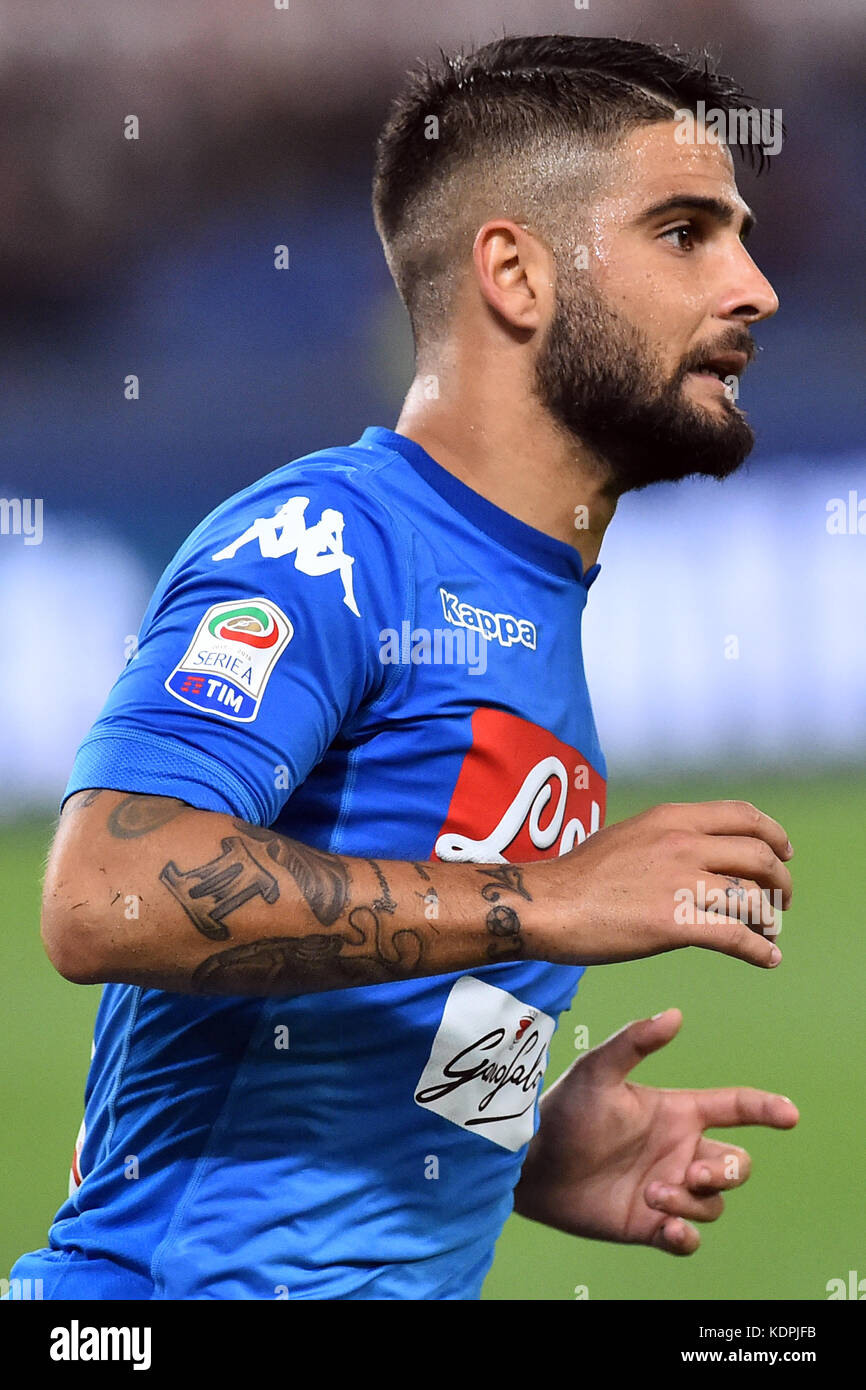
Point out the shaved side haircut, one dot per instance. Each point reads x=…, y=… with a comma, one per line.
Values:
x=523, y=129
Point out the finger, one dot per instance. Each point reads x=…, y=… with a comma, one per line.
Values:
x=732, y=818
x=730, y=937
x=747, y=858
x=679, y=1201
x=742, y=1105
x=677, y=1237
x=717, y=1167
x=741, y=899
x=619, y=1054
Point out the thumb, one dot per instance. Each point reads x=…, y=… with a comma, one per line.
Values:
x=616, y=1057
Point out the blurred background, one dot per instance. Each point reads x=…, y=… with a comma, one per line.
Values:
x=153, y=155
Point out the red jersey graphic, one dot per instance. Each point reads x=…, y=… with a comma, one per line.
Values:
x=521, y=794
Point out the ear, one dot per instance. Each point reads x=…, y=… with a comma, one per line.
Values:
x=514, y=272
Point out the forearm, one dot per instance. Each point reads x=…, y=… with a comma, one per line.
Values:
x=197, y=902
x=150, y=891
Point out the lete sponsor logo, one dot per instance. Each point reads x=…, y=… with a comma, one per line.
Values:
x=228, y=663
x=560, y=797
x=487, y=1063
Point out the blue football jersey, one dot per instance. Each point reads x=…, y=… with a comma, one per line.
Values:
x=364, y=653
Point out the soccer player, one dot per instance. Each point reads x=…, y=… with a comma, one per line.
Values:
x=334, y=845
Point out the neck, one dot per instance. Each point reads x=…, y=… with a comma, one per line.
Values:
x=500, y=441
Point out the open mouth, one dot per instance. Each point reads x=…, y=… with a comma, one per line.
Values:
x=720, y=383
x=722, y=368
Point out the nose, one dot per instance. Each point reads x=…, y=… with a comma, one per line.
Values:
x=749, y=297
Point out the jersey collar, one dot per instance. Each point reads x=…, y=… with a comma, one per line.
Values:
x=525, y=540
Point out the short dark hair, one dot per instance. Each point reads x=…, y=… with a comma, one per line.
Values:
x=489, y=122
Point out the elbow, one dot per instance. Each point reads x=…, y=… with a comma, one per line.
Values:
x=70, y=946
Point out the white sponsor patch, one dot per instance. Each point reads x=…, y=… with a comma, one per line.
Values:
x=228, y=663
x=487, y=1063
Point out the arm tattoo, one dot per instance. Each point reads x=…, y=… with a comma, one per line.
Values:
x=285, y=965
x=385, y=903
x=400, y=950
x=322, y=878
x=506, y=876
x=138, y=815
x=212, y=891
x=274, y=965
x=363, y=950
x=503, y=922
x=79, y=800
x=89, y=797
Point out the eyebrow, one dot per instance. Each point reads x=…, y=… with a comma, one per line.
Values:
x=717, y=208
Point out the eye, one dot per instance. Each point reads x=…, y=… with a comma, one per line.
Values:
x=684, y=235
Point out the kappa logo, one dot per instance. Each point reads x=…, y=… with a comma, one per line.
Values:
x=229, y=661
x=318, y=549
x=504, y=627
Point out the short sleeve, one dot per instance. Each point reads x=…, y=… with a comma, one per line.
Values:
x=260, y=643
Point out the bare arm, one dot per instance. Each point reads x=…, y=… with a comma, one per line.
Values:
x=147, y=890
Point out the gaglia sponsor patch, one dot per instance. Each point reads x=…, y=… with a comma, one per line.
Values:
x=228, y=663
x=487, y=1063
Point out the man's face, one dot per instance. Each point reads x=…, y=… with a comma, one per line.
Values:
x=631, y=362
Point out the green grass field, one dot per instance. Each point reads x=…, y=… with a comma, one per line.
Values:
x=798, y=1222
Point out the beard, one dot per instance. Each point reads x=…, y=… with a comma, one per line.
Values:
x=597, y=375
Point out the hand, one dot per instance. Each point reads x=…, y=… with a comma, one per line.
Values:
x=636, y=888
x=616, y=1161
